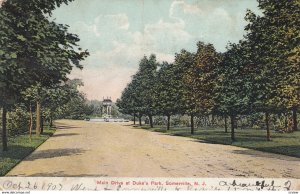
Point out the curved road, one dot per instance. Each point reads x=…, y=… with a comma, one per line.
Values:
x=81, y=148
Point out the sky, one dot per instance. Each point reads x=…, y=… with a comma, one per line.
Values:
x=118, y=33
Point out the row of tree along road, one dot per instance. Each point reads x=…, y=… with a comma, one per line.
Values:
x=259, y=75
x=36, y=55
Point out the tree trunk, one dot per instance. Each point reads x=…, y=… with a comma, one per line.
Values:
x=42, y=124
x=51, y=121
x=212, y=120
x=267, y=126
x=151, y=121
x=140, y=120
x=207, y=120
x=168, y=122
x=38, y=119
x=226, y=128
x=4, y=129
x=192, y=124
x=134, y=118
x=286, y=122
x=295, y=121
x=232, y=128
x=30, y=121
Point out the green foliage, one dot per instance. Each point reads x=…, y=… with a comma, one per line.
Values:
x=146, y=79
x=17, y=121
x=25, y=53
x=76, y=108
x=274, y=42
x=36, y=54
x=35, y=50
x=186, y=98
x=233, y=84
x=200, y=78
x=127, y=103
x=139, y=95
x=165, y=92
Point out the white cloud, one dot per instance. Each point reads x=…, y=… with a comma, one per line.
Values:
x=103, y=24
x=212, y=22
x=117, y=21
x=84, y=28
x=191, y=9
x=185, y=7
x=124, y=55
x=168, y=29
x=163, y=37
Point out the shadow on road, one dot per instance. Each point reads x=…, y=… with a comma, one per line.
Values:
x=260, y=154
x=207, y=142
x=66, y=127
x=129, y=125
x=52, y=153
x=64, y=134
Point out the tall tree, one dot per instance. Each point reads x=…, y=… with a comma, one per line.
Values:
x=233, y=91
x=35, y=50
x=202, y=77
x=142, y=83
x=186, y=92
x=274, y=41
x=128, y=103
x=166, y=92
x=147, y=80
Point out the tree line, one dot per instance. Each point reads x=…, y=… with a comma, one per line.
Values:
x=36, y=55
x=259, y=74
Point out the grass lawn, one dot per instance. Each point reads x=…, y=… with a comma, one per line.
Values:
x=282, y=143
x=20, y=147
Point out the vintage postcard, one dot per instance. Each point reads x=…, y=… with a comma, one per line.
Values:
x=199, y=95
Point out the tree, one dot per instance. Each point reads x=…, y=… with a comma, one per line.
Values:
x=233, y=91
x=34, y=50
x=29, y=96
x=76, y=108
x=12, y=75
x=273, y=39
x=139, y=95
x=202, y=76
x=126, y=103
x=58, y=96
x=131, y=100
x=66, y=101
x=165, y=91
x=146, y=78
x=186, y=93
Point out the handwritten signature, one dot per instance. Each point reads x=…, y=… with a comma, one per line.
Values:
x=258, y=185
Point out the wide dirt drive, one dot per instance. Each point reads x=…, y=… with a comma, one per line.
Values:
x=82, y=148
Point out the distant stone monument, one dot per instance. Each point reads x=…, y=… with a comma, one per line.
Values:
x=106, y=107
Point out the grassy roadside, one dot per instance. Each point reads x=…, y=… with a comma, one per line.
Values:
x=20, y=147
x=286, y=144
